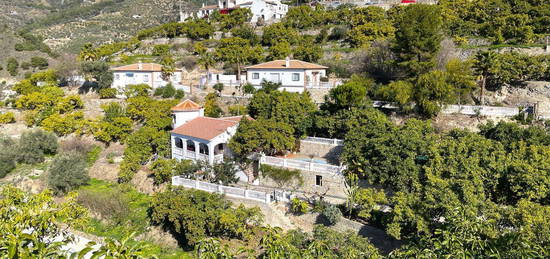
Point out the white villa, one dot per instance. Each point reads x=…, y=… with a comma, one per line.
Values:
x=143, y=73
x=196, y=137
x=262, y=10
x=294, y=75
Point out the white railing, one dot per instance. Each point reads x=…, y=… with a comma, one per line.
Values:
x=222, y=189
x=301, y=165
x=328, y=141
x=180, y=153
x=481, y=110
x=322, y=85
x=218, y=158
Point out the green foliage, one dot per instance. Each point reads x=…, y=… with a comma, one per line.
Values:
x=206, y=58
x=39, y=63
x=280, y=50
x=11, y=66
x=283, y=177
x=225, y=173
x=218, y=87
x=35, y=144
x=63, y=124
x=237, y=109
x=211, y=107
x=115, y=129
x=369, y=24
x=350, y=94
x=195, y=215
x=195, y=29
x=298, y=206
x=161, y=50
x=307, y=50
x=32, y=43
x=163, y=170
x=262, y=135
x=99, y=72
x=7, y=117
x=116, y=249
x=367, y=199
x=278, y=32
x=235, y=18
x=141, y=145
x=332, y=214
x=246, y=32
x=417, y=38
x=139, y=90
x=431, y=91
x=283, y=107
x=237, y=51
x=400, y=92
x=8, y=156
x=67, y=172
x=167, y=91
x=20, y=212
x=151, y=112
x=107, y=93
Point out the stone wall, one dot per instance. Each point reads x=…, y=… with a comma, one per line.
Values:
x=333, y=185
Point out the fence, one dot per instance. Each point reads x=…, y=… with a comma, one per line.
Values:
x=216, y=188
x=481, y=110
x=322, y=85
x=301, y=165
x=328, y=141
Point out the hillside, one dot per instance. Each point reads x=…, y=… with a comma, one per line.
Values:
x=64, y=25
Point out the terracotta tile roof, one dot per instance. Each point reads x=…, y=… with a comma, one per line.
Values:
x=144, y=67
x=281, y=64
x=205, y=127
x=186, y=105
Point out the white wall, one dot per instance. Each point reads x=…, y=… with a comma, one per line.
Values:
x=181, y=117
x=122, y=78
x=285, y=77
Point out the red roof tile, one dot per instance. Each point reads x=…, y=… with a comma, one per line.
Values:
x=186, y=105
x=144, y=67
x=205, y=127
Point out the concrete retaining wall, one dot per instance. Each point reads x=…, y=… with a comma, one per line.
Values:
x=481, y=110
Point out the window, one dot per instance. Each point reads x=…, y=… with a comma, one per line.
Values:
x=318, y=180
x=145, y=78
x=295, y=76
x=129, y=74
x=190, y=145
x=117, y=76
x=255, y=75
x=179, y=143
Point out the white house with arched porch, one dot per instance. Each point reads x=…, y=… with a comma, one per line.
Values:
x=196, y=137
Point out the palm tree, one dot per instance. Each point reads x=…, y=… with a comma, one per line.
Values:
x=483, y=67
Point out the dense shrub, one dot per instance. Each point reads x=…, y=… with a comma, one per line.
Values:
x=194, y=215
x=7, y=117
x=76, y=145
x=8, y=155
x=67, y=172
x=137, y=90
x=332, y=214
x=163, y=170
x=179, y=94
x=298, y=206
x=107, y=93
x=111, y=203
x=35, y=144
x=12, y=66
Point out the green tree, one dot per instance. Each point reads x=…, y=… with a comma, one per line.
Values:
x=431, y=91
x=237, y=51
x=262, y=135
x=67, y=172
x=211, y=107
x=20, y=211
x=417, y=38
x=280, y=50
x=168, y=68
x=277, y=32
x=195, y=215
x=307, y=50
x=99, y=72
x=11, y=66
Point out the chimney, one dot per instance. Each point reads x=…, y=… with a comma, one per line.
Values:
x=140, y=65
x=287, y=63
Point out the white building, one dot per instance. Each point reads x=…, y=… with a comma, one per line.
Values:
x=196, y=137
x=143, y=73
x=294, y=75
x=262, y=10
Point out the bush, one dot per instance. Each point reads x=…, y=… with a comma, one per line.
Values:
x=298, y=206
x=107, y=93
x=332, y=214
x=76, y=145
x=179, y=94
x=218, y=87
x=7, y=117
x=161, y=50
x=35, y=144
x=7, y=156
x=67, y=172
x=12, y=66
x=137, y=90
x=169, y=91
x=163, y=170
x=237, y=109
